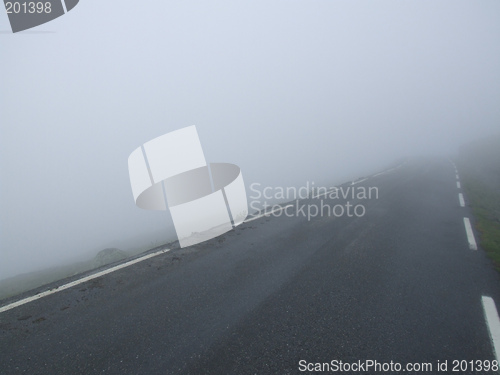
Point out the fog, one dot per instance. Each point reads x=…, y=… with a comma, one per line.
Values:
x=290, y=91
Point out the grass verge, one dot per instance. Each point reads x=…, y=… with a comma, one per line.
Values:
x=485, y=203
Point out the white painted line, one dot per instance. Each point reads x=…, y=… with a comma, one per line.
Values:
x=358, y=181
x=457, y=176
x=267, y=213
x=79, y=281
x=461, y=200
x=389, y=170
x=493, y=323
x=64, y=6
x=325, y=193
x=470, y=234
x=385, y=172
x=458, y=184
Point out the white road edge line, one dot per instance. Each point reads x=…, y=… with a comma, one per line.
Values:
x=325, y=193
x=358, y=181
x=470, y=234
x=458, y=184
x=493, y=323
x=385, y=172
x=461, y=200
x=79, y=281
x=389, y=170
x=268, y=213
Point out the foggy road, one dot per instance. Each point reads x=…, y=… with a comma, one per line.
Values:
x=401, y=283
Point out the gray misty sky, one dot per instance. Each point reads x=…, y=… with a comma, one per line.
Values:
x=291, y=91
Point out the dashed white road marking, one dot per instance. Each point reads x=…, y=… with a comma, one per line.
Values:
x=268, y=213
x=458, y=185
x=493, y=323
x=461, y=200
x=79, y=281
x=470, y=234
x=456, y=175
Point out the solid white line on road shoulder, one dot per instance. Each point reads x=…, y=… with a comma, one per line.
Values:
x=470, y=234
x=461, y=200
x=325, y=193
x=358, y=181
x=79, y=281
x=267, y=213
x=458, y=184
x=493, y=323
x=389, y=170
x=385, y=172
